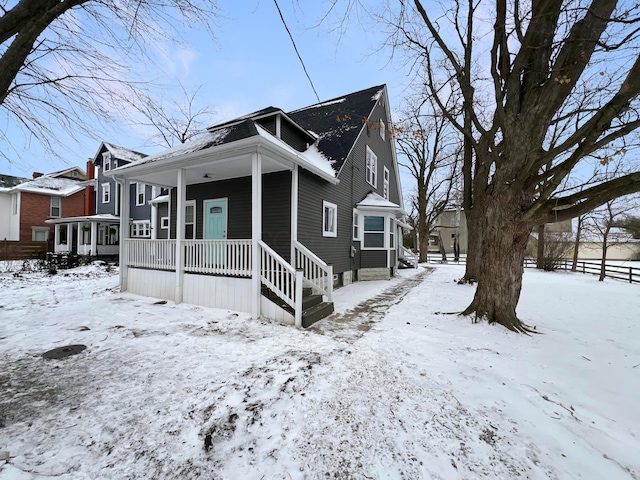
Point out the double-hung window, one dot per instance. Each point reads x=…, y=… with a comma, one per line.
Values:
x=106, y=192
x=140, y=194
x=329, y=219
x=372, y=167
x=190, y=220
x=56, y=207
x=392, y=233
x=106, y=161
x=373, y=235
x=356, y=227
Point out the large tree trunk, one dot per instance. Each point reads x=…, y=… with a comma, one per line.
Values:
x=423, y=235
x=501, y=264
x=474, y=245
x=603, y=260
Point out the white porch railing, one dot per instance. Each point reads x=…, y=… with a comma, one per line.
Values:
x=409, y=256
x=317, y=274
x=282, y=279
x=156, y=254
x=218, y=257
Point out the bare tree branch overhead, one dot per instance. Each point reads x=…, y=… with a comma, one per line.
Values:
x=69, y=63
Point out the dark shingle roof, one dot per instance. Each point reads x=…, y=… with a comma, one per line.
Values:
x=9, y=181
x=338, y=122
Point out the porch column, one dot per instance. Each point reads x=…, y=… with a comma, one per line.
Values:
x=79, y=239
x=256, y=231
x=154, y=214
x=69, y=236
x=294, y=213
x=125, y=200
x=94, y=238
x=56, y=237
x=181, y=199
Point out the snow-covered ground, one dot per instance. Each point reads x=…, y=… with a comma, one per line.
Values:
x=388, y=388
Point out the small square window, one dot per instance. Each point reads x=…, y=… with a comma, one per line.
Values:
x=39, y=234
x=164, y=223
x=329, y=219
x=56, y=206
x=372, y=167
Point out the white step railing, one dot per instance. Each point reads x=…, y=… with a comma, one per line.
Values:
x=409, y=256
x=156, y=254
x=218, y=257
x=317, y=274
x=282, y=279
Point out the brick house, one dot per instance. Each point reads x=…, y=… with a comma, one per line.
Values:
x=34, y=202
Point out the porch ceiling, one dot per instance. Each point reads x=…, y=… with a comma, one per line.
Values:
x=210, y=169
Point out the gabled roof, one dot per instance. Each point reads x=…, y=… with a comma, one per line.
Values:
x=338, y=122
x=120, y=153
x=49, y=185
x=62, y=173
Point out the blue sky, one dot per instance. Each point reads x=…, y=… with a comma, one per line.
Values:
x=250, y=65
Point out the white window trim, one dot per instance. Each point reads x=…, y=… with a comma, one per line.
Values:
x=59, y=206
x=393, y=234
x=384, y=232
x=371, y=160
x=383, y=130
x=164, y=223
x=141, y=229
x=385, y=184
x=356, y=225
x=191, y=203
x=331, y=207
x=106, y=192
x=106, y=161
x=140, y=193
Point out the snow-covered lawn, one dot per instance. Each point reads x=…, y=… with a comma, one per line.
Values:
x=389, y=389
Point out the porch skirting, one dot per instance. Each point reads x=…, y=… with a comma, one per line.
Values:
x=230, y=293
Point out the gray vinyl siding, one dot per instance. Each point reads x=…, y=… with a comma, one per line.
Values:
x=269, y=124
x=163, y=211
x=353, y=188
x=140, y=212
x=276, y=208
x=333, y=250
x=292, y=136
x=373, y=258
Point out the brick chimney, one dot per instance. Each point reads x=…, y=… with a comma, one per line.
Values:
x=37, y=174
x=89, y=191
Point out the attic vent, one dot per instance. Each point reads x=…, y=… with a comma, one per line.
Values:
x=215, y=210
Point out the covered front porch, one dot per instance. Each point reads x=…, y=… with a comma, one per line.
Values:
x=226, y=250
x=92, y=235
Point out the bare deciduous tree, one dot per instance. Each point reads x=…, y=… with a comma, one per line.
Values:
x=430, y=153
x=555, y=88
x=174, y=120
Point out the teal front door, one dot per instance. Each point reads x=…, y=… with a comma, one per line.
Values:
x=215, y=228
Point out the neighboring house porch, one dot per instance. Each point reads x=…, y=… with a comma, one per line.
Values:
x=92, y=235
